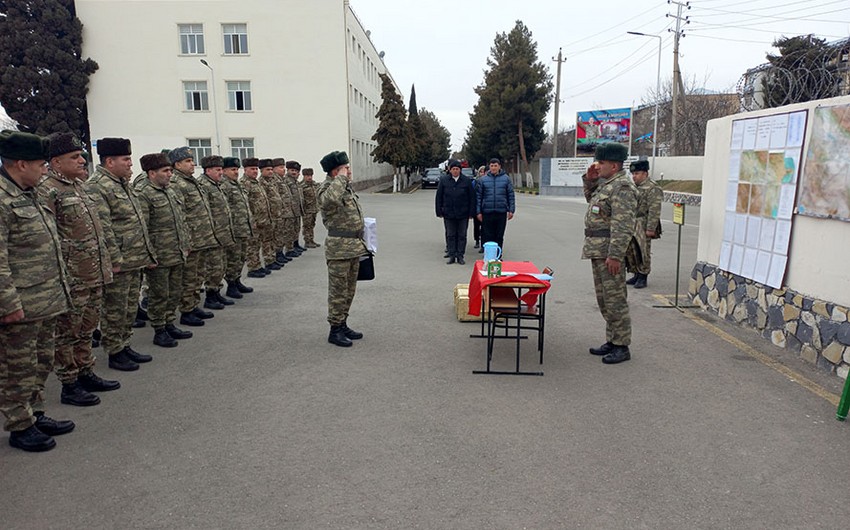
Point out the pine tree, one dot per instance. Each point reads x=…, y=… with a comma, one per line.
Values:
x=43, y=77
x=804, y=70
x=393, y=141
x=420, y=141
x=439, y=139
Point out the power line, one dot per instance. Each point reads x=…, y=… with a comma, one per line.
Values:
x=607, y=68
x=619, y=74
x=769, y=43
x=723, y=12
x=618, y=26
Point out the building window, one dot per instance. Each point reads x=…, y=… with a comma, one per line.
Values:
x=201, y=147
x=239, y=95
x=242, y=147
x=196, y=95
x=235, y=39
x=192, y=39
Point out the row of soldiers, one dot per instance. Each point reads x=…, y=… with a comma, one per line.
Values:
x=74, y=250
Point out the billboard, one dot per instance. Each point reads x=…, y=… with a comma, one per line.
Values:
x=595, y=127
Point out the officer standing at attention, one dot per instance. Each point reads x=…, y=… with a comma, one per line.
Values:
x=273, y=249
x=33, y=291
x=343, y=219
x=215, y=257
x=648, y=225
x=243, y=228
x=311, y=207
x=166, y=224
x=293, y=171
x=261, y=213
x=89, y=266
x=130, y=248
x=608, y=229
x=284, y=236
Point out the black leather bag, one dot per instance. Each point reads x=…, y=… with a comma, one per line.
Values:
x=367, y=269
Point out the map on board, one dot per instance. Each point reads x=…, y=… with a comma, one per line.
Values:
x=825, y=182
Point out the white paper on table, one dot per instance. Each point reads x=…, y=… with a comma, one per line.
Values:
x=779, y=131
x=740, y=228
x=762, y=267
x=729, y=228
x=734, y=166
x=750, y=128
x=796, y=129
x=753, y=232
x=731, y=196
x=768, y=232
x=765, y=124
x=737, y=135
x=777, y=271
x=748, y=269
x=725, y=255
x=783, y=238
x=737, y=260
x=370, y=225
x=786, y=201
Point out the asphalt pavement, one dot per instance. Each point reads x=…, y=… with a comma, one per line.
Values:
x=258, y=422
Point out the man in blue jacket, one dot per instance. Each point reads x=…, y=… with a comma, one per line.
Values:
x=455, y=203
x=495, y=204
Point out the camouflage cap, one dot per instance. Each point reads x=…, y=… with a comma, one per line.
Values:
x=333, y=160
x=292, y=164
x=250, y=162
x=154, y=161
x=280, y=161
x=640, y=165
x=114, y=147
x=212, y=161
x=16, y=145
x=611, y=152
x=180, y=153
x=231, y=161
x=265, y=162
x=61, y=143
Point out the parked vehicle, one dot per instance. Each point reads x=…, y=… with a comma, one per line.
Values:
x=431, y=178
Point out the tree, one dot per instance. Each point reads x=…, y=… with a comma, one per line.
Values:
x=439, y=139
x=804, y=70
x=418, y=135
x=43, y=76
x=393, y=141
x=512, y=101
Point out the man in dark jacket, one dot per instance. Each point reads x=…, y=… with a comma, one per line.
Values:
x=455, y=203
x=496, y=204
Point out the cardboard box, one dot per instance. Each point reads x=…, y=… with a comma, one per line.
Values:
x=461, y=301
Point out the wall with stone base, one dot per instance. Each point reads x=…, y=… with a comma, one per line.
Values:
x=817, y=330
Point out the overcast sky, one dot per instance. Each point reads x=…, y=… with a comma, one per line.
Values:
x=442, y=46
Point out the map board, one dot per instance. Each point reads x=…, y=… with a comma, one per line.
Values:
x=825, y=182
x=764, y=166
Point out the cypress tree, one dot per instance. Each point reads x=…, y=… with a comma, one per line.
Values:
x=391, y=136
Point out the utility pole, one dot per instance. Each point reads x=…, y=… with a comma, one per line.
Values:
x=677, y=74
x=559, y=60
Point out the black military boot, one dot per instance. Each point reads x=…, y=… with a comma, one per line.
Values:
x=350, y=333
x=95, y=338
x=292, y=254
x=476, y=244
x=640, y=283
x=233, y=290
x=204, y=315
x=189, y=319
x=92, y=382
x=120, y=361
x=221, y=299
x=605, y=349
x=273, y=266
x=52, y=427
x=162, y=338
x=299, y=247
x=32, y=440
x=75, y=394
x=633, y=279
x=257, y=273
x=337, y=336
x=141, y=314
x=137, y=357
x=211, y=302
x=618, y=354
x=177, y=333
x=242, y=287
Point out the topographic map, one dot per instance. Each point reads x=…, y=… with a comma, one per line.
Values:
x=825, y=184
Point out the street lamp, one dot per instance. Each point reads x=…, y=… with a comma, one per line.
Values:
x=215, y=113
x=657, y=96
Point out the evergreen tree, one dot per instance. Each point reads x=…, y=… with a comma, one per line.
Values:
x=439, y=139
x=420, y=141
x=43, y=76
x=513, y=101
x=393, y=141
x=804, y=70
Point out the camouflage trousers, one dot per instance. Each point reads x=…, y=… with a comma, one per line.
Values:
x=213, y=263
x=342, y=283
x=26, y=359
x=165, y=287
x=257, y=246
x=190, y=292
x=120, y=302
x=309, y=227
x=73, y=333
x=611, y=296
x=291, y=234
x=646, y=266
x=279, y=235
x=236, y=259
x=269, y=244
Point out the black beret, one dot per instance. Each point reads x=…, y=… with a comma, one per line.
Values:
x=454, y=163
x=231, y=161
x=292, y=164
x=278, y=162
x=113, y=147
x=16, y=145
x=250, y=162
x=333, y=160
x=265, y=162
x=611, y=152
x=61, y=143
x=154, y=161
x=212, y=161
x=640, y=165
x=179, y=154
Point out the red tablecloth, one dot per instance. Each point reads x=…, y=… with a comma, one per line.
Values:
x=523, y=269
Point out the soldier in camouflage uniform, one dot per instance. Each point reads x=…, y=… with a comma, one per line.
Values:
x=215, y=259
x=293, y=171
x=343, y=219
x=243, y=228
x=648, y=225
x=87, y=259
x=33, y=291
x=273, y=247
x=169, y=235
x=311, y=207
x=199, y=219
x=608, y=229
x=258, y=203
x=283, y=237
x=130, y=250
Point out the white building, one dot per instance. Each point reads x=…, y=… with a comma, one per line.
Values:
x=264, y=78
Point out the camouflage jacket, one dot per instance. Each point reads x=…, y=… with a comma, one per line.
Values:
x=297, y=199
x=648, y=213
x=258, y=202
x=287, y=203
x=80, y=232
x=197, y=210
x=126, y=233
x=609, y=223
x=308, y=192
x=222, y=223
x=240, y=213
x=270, y=186
x=166, y=222
x=32, y=271
x=342, y=217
